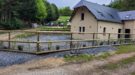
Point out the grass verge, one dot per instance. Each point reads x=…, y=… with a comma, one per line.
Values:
x=125, y=49
x=79, y=58
x=133, y=73
x=86, y=57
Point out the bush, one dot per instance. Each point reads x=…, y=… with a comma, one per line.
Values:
x=12, y=24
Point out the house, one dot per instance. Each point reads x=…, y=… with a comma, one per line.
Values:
x=90, y=17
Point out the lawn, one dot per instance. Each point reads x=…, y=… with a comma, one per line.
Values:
x=63, y=18
x=49, y=28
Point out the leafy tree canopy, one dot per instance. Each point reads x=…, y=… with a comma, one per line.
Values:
x=66, y=11
x=123, y=5
x=28, y=10
x=41, y=9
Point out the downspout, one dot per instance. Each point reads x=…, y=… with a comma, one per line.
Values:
x=123, y=30
x=97, y=29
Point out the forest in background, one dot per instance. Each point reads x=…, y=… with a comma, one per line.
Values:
x=123, y=5
x=17, y=14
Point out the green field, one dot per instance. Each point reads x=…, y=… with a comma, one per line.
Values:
x=48, y=28
x=63, y=18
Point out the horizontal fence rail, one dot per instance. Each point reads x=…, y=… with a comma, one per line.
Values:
x=39, y=42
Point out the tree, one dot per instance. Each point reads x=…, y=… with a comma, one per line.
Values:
x=49, y=11
x=116, y=4
x=129, y=4
x=123, y=4
x=66, y=11
x=55, y=12
x=27, y=10
x=41, y=9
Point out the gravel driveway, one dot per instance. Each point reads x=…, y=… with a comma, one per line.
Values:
x=10, y=58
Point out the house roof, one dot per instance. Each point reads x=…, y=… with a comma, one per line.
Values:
x=106, y=13
x=127, y=15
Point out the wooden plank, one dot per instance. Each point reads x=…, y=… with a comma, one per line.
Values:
x=61, y=40
x=56, y=32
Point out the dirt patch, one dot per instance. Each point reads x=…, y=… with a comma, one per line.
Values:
x=46, y=64
x=33, y=65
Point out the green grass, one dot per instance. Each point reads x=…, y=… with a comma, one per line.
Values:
x=24, y=35
x=47, y=28
x=103, y=55
x=79, y=58
x=133, y=73
x=86, y=57
x=112, y=66
x=63, y=18
x=125, y=49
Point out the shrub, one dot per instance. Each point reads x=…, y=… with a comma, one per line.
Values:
x=12, y=24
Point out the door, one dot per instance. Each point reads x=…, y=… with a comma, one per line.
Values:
x=127, y=31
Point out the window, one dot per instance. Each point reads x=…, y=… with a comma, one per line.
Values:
x=80, y=29
x=83, y=29
x=119, y=31
x=82, y=16
x=104, y=31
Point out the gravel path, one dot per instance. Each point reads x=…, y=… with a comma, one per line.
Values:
x=10, y=58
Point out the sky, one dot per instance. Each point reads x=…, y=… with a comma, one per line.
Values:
x=72, y=3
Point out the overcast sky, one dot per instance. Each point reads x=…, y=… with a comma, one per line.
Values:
x=71, y=3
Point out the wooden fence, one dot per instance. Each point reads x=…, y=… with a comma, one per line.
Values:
x=37, y=44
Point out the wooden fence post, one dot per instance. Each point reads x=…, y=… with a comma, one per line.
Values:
x=9, y=39
x=93, y=42
x=38, y=40
x=71, y=43
x=109, y=36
